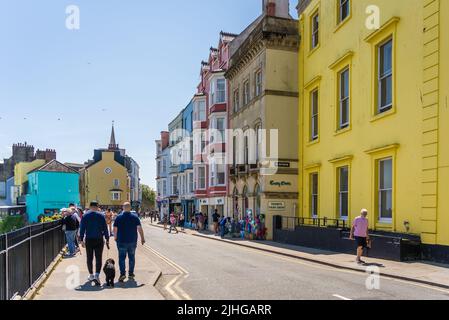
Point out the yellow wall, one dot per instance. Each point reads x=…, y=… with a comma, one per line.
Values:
x=411, y=133
x=23, y=168
x=443, y=73
x=98, y=184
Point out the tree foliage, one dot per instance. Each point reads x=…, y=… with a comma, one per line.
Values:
x=11, y=223
x=148, y=198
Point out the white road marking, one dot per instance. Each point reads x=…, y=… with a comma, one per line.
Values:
x=341, y=297
x=169, y=290
x=184, y=275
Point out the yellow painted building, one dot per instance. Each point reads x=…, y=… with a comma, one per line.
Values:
x=21, y=171
x=106, y=180
x=374, y=114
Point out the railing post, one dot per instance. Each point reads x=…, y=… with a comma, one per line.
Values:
x=30, y=257
x=7, y=267
x=44, y=248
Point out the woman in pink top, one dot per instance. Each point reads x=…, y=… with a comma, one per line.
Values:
x=359, y=232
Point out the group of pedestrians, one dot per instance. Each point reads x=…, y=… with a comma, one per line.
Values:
x=95, y=230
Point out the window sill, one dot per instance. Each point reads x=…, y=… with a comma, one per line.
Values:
x=383, y=115
x=342, y=131
x=384, y=225
x=342, y=23
x=314, y=142
x=312, y=51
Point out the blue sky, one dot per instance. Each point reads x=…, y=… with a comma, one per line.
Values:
x=136, y=62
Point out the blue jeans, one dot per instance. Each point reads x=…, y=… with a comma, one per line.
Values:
x=127, y=249
x=70, y=237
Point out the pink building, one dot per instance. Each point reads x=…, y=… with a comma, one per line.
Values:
x=211, y=116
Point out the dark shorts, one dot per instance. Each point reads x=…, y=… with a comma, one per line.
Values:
x=361, y=242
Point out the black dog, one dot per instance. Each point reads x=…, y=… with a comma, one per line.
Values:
x=109, y=271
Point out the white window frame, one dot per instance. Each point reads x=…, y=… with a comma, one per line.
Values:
x=201, y=180
x=382, y=190
x=343, y=99
x=315, y=30
x=341, y=4
x=199, y=112
x=116, y=183
x=341, y=193
x=220, y=93
x=116, y=196
x=314, y=213
x=380, y=76
x=314, y=129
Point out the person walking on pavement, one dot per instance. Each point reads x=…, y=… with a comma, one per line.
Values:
x=126, y=227
x=93, y=233
x=216, y=219
x=360, y=233
x=173, y=220
x=70, y=224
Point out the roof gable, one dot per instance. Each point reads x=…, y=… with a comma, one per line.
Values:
x=54, y=166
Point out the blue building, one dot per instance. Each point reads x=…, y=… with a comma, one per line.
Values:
x=186, y=190
x=11, y=194
x=50, y=188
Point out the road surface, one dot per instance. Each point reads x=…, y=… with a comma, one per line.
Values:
x=198, y=268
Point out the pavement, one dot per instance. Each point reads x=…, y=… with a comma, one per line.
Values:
x=68, y=281
x=422, y=272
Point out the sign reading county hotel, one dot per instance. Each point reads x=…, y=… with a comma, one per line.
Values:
x=276, y=205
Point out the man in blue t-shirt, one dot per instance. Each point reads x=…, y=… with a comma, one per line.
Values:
x=126, y=226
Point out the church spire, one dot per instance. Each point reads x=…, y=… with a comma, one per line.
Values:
x=112, y=144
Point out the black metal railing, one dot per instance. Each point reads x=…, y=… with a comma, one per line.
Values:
x=25, y=254
x=291, y=223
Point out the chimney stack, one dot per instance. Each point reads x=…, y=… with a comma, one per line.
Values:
x=276, y=8
x=271, y=9
x=165, y=139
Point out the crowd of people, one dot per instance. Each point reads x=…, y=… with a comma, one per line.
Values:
x=247, y=228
